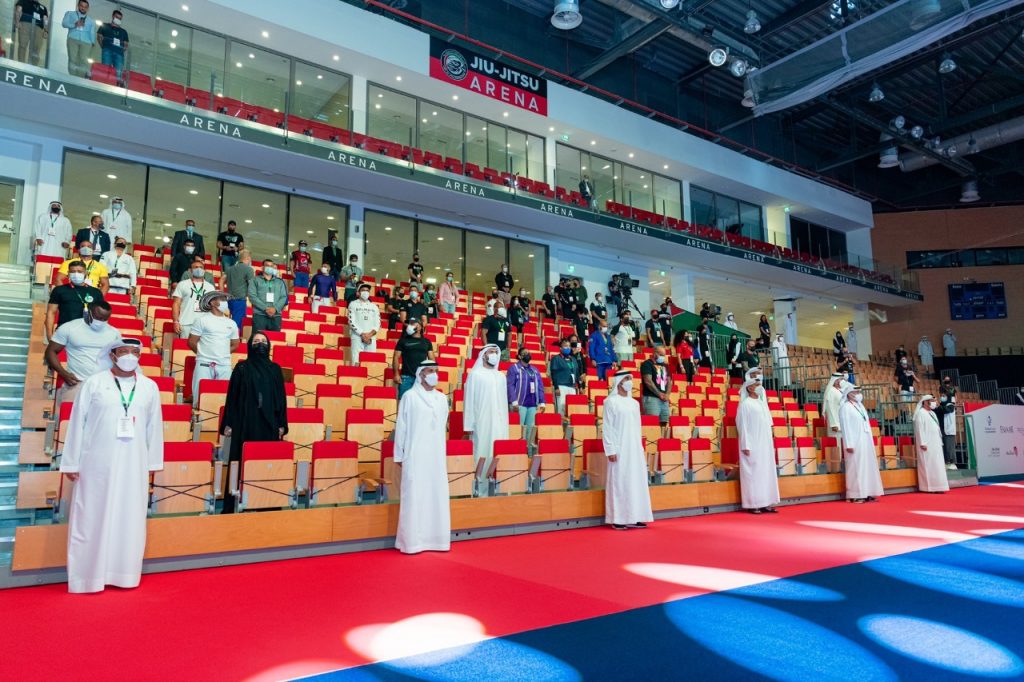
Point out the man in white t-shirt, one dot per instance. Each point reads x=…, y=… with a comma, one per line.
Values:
x=187, y=295
x=363, y=323
x=83, y=340
x=213, y=338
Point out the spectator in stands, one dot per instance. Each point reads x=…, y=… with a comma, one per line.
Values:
x=69, y=301
x=83, y=340
x=652, y=331
x=53, y=232
x=187, y=296
x=568, y=300
x=95, y=271
x=863, y=482
x=495, y=330
x=448, y=294
x=624, y=335
x=562, y=370
x=256, y=407
x=931, y=469
x=118, y=221
x=665, y=319
x=424, y=515
x=946, y=411
x=395, y=307
x=683, y=344
x=656, y=384
x=789, y=329
x=899, y=354
x=832, y=398
x=905, y=380
x=504, y=283
x=415, y=309
x=410, y=352
x=580, y=358
x=780, y=360
x=96, y=235
x=581, y=321
x=524, y=301
x=749, y=356
x=587, y=191
x=301, y=263
x=485, y=417
x=847, y=367
x=765, y=332
x=705, y=312
x=550, y=302
x=363, y=324
x=614, y=295
x=730, y=321
x=181, y=263
x=598, y=311
x=334, y=258
x=430, y=301
x=416, y=271
x=113, y=42
x=518, y=315
x=352, y=268
x=197, y=261
x=704, y=344
x=268, y=296
x=235, y=280
x=178, y=243
x=838, y=345
x=229, y=243
x=851, y=339
x=926, y=353
x=525, y=393
x=323, y=290
x=33, y=28
x=115, y=439
x=121, y=271
x=351, y=288
x=601, y=351
x=627, y=499
x=949, y=344
x=759, y=482
x=213, y=337
x=81, y=38
x=732, y=357
x=581, y=292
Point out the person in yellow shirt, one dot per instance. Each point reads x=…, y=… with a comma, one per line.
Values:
x=95, y=271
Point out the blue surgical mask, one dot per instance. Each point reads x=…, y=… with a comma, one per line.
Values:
x=566, y=351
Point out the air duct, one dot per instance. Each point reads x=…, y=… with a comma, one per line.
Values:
x=567, y=15
x=995, y=135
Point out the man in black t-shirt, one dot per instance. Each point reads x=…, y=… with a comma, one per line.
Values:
x=69, y=301
x=415, y=309
x=410, y=351
x=416, y=271
x=652, y=329
x=657, y=384
x=230, y=242
x=495, y=330
x=396, y=306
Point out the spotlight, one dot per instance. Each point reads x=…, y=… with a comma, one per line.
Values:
x=669, y=4
x=947, y=65
x=567, y=15
x=876, y=95
x=969, y=192
x=738, y=67
x=951, y=150
x=917, y=132
x=925, y=13
x=898, y=123
x=753, y=24
x=718, y=56
x=748, y=99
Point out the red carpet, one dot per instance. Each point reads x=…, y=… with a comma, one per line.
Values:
x=285, y=619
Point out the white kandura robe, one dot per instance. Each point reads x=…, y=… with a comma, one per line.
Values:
x=118, y=224
x=627, y=498
x=927, y=353
x=862, y=477
x=780, y=356
x=931, y=466
x=830, y=410
x=55, y=232
x=485, y=413
x=107, y=529
x=759, y=481
x=424, y=515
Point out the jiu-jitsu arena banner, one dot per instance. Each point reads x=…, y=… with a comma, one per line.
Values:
x=995, y=434
x=472, y=71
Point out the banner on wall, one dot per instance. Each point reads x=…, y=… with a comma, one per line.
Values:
x=996, y=433
x=477, y=73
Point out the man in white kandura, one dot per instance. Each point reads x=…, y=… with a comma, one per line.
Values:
x=780, y=357
x=485, y=411
x=759, y=482
x=831, y=400
x=627, y=498
x=115, y=439
x=755, y=374
x=931, y=466
x=863, y=482
x=424, y=517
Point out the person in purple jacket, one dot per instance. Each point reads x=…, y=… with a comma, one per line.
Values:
x=525, y=393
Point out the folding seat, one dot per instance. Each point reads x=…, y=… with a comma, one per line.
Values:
x=188, y=482
x=876, y=430
x=515, y=429
x=729, y=426
x=650, y=429
x=780, y=427
x=820, y=429
x=701, y=460
x=327, y=133
x=199, y=98
x=133, y=326
x=38, y=490
x=306, y=377
x=833, y=454
x=728, y=459
x=549, y=426
x=510, y=467
x=785, y=457
x=152, y=366
x=269, y=117
x=679, y=428
x=213, y=394
x=45, y=267
x=461, y=470
x=711, y=408
x=888, y=453
x=492, y=176
x=433, y=160
x=807, y=456
x=595, y=464
x=575, y=404
x=688, y=408
x=375, y=364
x=334, y=475
x=385, y=399
x=178, y=352
x=582, y=427
x=798, y=427
x=102, y=73
x=670, y=461
x=170, y=91
x=704, y=427
x=552, y=466
x=305, y=427
x=265, y=478
x=907, y=451
x=177, y=423
x=366, y=427
x=168, y=389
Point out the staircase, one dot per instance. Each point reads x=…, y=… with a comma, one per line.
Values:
x=15, y=328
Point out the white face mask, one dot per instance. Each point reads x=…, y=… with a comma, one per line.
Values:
x=430, y=379
x=222, y=306
x=198, y=272
x=933, y=404
x=660, y=359
x=98, y=325
x=501, y=312
x=326, y=271
x=493, y=359
x=858, y=398
x=85, y=252
x=190, y=250
x=270, y=271
x=505, y=270
x=128, y=362
x=115, y=21
x=410, y=329
x=414, y=295
x=77, y=278
x=627, y=385
x=364, y=295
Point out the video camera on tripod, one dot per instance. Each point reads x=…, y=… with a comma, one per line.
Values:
x=625, y=284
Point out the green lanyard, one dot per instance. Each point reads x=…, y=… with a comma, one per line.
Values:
x=131, y=396
x=197, y=292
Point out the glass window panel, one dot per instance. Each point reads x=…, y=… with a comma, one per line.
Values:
x=702, y=206
x=321, y=95
x=171, y=201
x=484, y=257
x=750, y=216
x=207, y=61
x=173, y=48
x=637, y=188
x=141, y=29
x=389, y=245
x=567, y=167
x=440, y=249
x=603, y=173
x=322, y=218
x=667, y=194
x=728, y=212
x=516, y=146
x=496, y=150
x=391, y=116
x=441, y=130
x=261, y=216
x=476, y=141
x=87, y=187
x=257, y=77
x=535, y=167
x=528, y=266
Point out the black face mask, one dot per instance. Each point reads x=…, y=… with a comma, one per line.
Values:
x=260, y=350
x=526, y=357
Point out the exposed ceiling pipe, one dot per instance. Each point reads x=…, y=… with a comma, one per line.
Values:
x=994, y=135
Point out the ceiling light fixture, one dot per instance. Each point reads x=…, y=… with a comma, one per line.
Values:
x=890, y=156
x=947, y=65
x=753, y=24
x=917, y=132
x=669, y=4
x=748, y=99
x=738, y=67
x=969, y=192
x=898, y=123
x=566, y=15
x=876, y=95
x=718, y=56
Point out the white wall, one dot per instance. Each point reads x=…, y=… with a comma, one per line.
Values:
x=35, y=162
